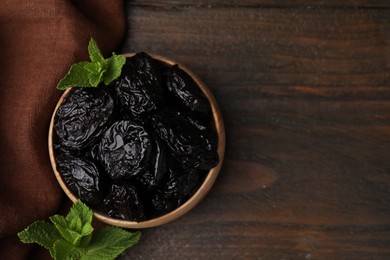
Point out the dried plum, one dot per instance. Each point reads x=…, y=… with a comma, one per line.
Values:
x=160, y=205
x=207, y=158
x=82, y=177
x=138, y=88
x=152, y=176
x=175, y=189
x=186, y=91
x=83, y=116
x=123, y=201
x=93, y=153
x=125, y=149
x=139, y=148
x=179, y=184
x=188, y=144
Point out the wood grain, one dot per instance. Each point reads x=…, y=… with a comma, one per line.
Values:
x=263, y=3
x=306, y=101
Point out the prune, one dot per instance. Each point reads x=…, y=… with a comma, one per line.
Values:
x=139, y=148
x=123, y=201
x=179, y=184
x=207, y=157
x=186, y=91
x=197, y=124
x=189, y=144
x=138, y=88
x=160, y=205
x=175, y=188
x=125, y=149
x=63, y=150
x=82, y=177
x=83, y=116
x=93, y=153
x=152, y=176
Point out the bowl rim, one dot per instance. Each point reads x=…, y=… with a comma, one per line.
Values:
x=194, y=199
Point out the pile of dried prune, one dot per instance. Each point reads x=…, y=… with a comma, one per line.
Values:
x=140, y=147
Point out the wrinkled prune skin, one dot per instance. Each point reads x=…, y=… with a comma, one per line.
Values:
x=125, y=149
x=179, y=183
x=123, y=202
x=82, y=177
x=138, y=88
x=189, y=145
x=152, y=176
x=186, y=91
x=177, y=186
x=197, y=124
x=207, y=158
x=93, y=153
x=139, y=148
x=160, y=205
x=83, y=116
x=63, y=150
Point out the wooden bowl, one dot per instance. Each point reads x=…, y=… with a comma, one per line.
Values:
x=191, y=202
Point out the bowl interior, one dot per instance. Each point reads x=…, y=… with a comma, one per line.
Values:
x=191, y=202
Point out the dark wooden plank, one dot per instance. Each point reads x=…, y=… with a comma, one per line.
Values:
x=263, y=3
x=306, y=101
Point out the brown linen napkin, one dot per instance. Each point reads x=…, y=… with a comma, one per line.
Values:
x=39, y=40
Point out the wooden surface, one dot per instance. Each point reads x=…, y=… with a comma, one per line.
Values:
x=304, y=91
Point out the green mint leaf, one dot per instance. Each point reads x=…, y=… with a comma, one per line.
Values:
x=63, y=250
x=114, y=68
x=84, y=241
x=87, y=229
x=84, y=214
x=109, y=242
x=94, y=53
x=82, y=211
x=95, y=78
x=95, y=74
x=42, y=233
x=71, y=237
x=93, y=67
x=62, y=226
x=76, y=77
x=91, y=74
x=76, y=224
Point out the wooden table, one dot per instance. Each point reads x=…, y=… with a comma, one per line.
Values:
x=304, y=91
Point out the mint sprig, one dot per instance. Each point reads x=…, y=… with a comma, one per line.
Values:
x=91, y=74
x=71, y=237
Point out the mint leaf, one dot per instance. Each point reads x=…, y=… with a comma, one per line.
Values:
x=94, y=53
x=95, y=78
x=63, y=250
x=77, y=76
x=82, y=211
x=91, y=74
x=62, y=226
x=42, y=233
x=95, y=73
x=109, y=242
x=114, y=68
x=84, y=241
x=76, y=224
x=71, y=237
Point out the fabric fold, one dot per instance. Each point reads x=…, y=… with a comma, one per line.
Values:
x=39, y=40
